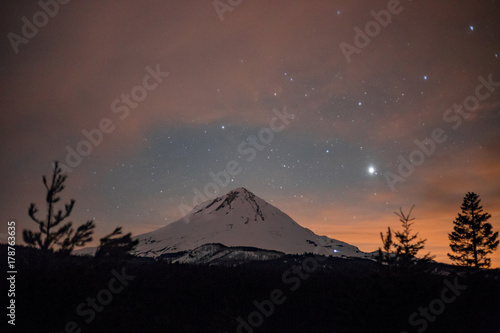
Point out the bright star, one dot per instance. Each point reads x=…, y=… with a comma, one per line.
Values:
x=425, y=77
x=223, y=127
x=371, y=170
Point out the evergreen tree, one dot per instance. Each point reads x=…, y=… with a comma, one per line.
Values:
x=116, y=246
x=386, y=256
x=53, y=231
x=472, y=238
x=402, y=252
x=408, y=246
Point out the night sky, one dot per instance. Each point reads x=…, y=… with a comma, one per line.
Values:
x=180, y=88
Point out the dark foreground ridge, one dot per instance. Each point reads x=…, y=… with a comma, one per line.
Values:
x=292, y=293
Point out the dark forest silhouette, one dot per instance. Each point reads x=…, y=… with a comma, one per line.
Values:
x=341, y=295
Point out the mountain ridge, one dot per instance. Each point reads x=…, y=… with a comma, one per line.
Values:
x=239, y=218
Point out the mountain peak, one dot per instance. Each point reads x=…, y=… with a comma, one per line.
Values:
x=238, y=201
x=240, y=191
x=239, y=218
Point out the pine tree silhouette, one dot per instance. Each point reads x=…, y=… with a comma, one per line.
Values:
x=387, y=255
x=408, y=246
x=52, y=230
x=402, y=253
x=113, y=246
x=472, y=238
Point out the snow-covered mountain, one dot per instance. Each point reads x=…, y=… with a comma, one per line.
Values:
x=218, y=254
x=240, y=219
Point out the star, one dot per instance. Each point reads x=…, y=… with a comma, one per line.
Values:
x=371, y=170
x=471, y=27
